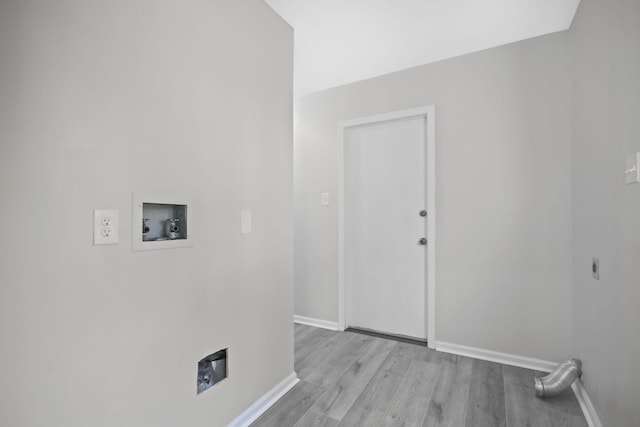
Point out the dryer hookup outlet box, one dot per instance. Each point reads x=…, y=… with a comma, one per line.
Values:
x=211, y=370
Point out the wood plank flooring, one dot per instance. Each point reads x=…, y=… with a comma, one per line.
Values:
x=350, y=379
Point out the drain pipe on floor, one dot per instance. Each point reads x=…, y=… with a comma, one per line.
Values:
x=559, y=380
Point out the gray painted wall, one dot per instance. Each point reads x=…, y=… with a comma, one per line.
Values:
x=503, y=177
x=95, y=97
x=605, y=47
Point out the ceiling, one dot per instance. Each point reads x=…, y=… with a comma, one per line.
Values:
x=343, y=41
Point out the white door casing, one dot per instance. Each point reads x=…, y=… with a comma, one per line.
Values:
x=371, y=231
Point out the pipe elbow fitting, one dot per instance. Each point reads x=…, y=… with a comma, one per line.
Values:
x=558, y=380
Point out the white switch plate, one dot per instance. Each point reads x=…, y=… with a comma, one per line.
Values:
x=245, y=221
x=632, y=171
x=105, y=227
x=324, y=199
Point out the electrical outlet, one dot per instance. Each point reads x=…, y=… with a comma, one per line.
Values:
x=105, y=227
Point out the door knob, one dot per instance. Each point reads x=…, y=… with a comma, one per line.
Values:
x=423, y=213
x=422, y=241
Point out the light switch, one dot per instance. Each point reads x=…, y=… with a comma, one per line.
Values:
x=632, y=171
x=245, y=221
x=324, y=199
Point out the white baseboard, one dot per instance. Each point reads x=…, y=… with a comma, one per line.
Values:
x=585, y=403
x=318, y=323
x=495, y=356
x=261, y=405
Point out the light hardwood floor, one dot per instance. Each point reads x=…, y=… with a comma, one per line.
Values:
x=350, y=379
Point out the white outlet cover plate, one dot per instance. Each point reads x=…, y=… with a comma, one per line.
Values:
x=632, y=172
x=105, y=234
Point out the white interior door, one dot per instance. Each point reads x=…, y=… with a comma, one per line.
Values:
x=385, y=191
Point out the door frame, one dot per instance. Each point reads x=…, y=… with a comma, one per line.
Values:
x=428, y=113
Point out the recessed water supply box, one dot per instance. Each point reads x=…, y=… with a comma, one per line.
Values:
x=164, y=222
x=161, y=222
x=211, y=370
